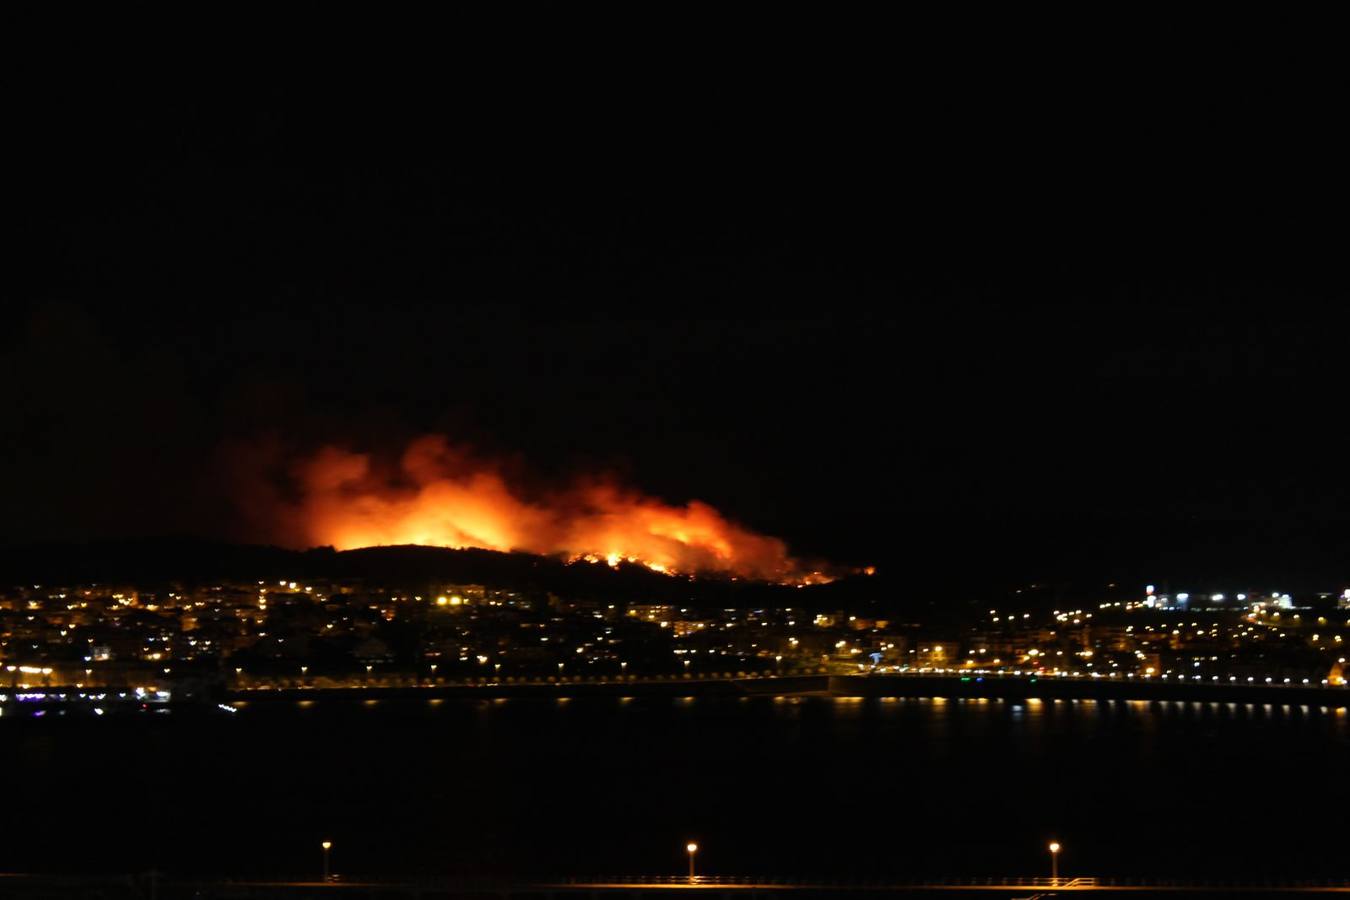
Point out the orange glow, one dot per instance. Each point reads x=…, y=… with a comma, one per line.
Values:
x=438, y=495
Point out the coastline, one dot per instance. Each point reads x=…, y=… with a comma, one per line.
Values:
x=841, y=686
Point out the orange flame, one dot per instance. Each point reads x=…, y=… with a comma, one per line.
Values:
x=439, y=496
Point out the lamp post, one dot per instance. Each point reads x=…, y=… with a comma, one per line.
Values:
x=1054, y=862
x=326, y=845
x=692, y=848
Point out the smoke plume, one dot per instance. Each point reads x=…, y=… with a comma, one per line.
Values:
x=438, y=494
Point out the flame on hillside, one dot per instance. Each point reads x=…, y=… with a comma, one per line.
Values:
x=440, y=495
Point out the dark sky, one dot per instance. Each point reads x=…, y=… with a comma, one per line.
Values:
x=949, y=308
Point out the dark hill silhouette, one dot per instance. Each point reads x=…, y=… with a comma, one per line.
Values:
x=948, y=574
x=196, y=561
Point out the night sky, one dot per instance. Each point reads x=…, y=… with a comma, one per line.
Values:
x=988, y=325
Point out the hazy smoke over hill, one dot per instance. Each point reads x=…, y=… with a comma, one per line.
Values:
x=442, y=495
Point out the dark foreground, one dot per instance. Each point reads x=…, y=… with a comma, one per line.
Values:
x=889, y=789
x=154, y=887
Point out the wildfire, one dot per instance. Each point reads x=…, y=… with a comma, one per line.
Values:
x=439, y=495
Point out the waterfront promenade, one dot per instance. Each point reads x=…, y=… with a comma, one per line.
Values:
x=947, y=685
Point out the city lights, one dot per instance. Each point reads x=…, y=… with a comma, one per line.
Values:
x=530, y=639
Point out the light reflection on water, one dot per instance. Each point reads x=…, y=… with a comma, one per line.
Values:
x=907, y=771
x=786, y=783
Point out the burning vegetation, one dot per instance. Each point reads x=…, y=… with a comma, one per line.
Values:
x=440, y=495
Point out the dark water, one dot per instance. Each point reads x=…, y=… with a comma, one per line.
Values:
x=785, y=786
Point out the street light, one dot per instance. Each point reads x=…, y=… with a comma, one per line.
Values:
x=326, y=845
x=692, y=848
x=1054, y=862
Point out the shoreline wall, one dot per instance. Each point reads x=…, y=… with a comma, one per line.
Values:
x=989, y=687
